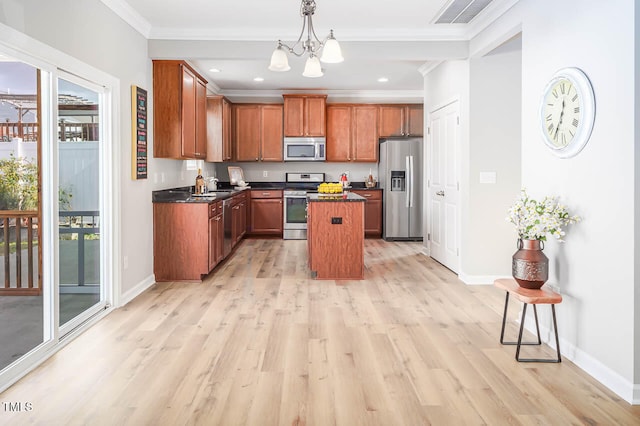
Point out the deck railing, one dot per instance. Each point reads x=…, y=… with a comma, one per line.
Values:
x=20, y=251
x=19, y=229
x=28, y=132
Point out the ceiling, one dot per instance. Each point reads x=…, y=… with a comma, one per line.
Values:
x=398, y=40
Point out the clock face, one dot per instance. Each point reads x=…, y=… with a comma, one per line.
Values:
x=567, y=112
x=561, y=113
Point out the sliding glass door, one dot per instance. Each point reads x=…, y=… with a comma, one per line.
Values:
x=81, y=289
x=21, y=301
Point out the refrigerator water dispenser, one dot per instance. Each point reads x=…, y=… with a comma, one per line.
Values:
x=398, y=180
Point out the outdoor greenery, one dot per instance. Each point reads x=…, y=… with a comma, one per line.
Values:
x=19, y=185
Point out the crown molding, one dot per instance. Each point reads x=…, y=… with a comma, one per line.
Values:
x=432, y=33
x=130, y=16
x=427, y=67
x=345, y=96
x=492, y=12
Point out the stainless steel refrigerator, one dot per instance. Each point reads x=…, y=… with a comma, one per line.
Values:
x=400, y=176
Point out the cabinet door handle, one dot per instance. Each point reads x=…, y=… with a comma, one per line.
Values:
x=266, y=193
x=367, y=195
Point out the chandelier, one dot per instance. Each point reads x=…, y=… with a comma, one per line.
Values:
x=330, y=48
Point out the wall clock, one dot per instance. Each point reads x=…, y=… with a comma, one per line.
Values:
x=567, y=112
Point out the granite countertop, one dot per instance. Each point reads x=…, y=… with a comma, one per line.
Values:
x=344, y=197
x=225, y=190
x=185, y=195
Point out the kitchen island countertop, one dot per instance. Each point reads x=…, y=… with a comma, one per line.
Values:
x=344, y=197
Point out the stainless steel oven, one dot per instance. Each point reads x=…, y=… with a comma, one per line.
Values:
x=295, y=203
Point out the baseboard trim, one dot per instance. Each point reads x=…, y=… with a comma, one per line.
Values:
x=626, y=390
x=478, y=279
x=137, y=290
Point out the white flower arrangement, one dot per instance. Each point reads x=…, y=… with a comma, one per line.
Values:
x=535, y=219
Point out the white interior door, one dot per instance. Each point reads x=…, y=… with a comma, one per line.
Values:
x=443, y=190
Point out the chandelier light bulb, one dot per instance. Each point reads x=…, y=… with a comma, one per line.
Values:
x=279, y=60
x=331, y=52
x=312, y=68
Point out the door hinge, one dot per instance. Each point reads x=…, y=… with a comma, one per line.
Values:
x=428, y=237
x=457, y=252
x=428, y=130
x=458, y=119
x=458, y=185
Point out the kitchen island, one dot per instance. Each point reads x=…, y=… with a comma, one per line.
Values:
x=335, y=236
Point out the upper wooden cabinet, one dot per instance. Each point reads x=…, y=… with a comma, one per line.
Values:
x=218, y=129
x=179, y=111
x=401, y=120
x=304, y=115
x=258, y=132
x=352, y=133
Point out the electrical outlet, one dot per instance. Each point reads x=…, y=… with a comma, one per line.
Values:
x=125, y=262
x=265, y=173
x=162, y=177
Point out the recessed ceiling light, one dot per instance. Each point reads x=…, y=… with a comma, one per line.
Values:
x=383, y=79
x=258, y=79
x=214, y=70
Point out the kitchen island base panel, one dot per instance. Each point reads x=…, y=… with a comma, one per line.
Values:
x=336, y=249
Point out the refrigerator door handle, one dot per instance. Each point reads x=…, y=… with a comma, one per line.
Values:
x=411, y=178
x=408, y=179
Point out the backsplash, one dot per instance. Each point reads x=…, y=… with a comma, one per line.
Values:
x=275, y=172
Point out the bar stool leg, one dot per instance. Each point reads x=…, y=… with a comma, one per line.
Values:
x=555, y=328
x=504, y=321
x=524, y=313
x=535, y=314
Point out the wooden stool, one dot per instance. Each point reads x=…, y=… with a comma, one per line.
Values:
x=534, y=297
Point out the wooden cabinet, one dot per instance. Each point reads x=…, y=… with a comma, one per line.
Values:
x=258, y=132
x=372, y=211
x=401, y=120
x=238, y=218
x=266, y=212
x=218, y=129
x=187, y=240
x=335, y=239
x=216, y=235
x=352, y=133
x=304, y=115
x=179, y=111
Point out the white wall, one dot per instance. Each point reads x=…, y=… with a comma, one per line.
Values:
x=596, y=269
x=494, y=146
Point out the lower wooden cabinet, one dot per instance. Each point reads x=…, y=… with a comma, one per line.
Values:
x=266, y=212
x=238, y=218
x=372, y=212
x=187, y=240
x=216, y=240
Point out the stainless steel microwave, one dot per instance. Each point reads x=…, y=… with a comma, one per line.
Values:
x=304, y=149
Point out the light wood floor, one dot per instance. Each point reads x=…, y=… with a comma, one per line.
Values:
x=259, y=343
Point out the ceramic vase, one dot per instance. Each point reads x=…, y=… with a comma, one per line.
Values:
x=529, y=265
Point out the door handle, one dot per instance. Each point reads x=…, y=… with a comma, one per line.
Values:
x=440, y=193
